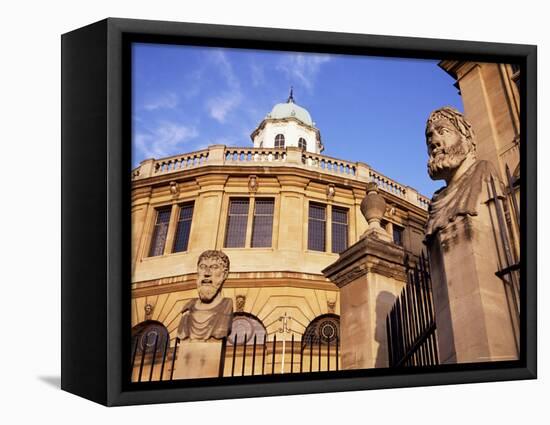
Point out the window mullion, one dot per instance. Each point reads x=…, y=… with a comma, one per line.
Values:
x=328, y=229
x=251, y=206
x=174, y=216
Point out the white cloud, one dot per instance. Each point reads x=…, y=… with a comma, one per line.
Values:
x=192, y=85
x=164, y=140
x=219, y=107
x=303, y=68
x=257, y=74
x=166, y=101
x=222, y=63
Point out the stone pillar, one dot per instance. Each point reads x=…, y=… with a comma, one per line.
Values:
x=294, y=155
x=370, y=275
x=198, y=359
x=146, y=169
x=471, y=306
x=363, y=171
x=216, y=154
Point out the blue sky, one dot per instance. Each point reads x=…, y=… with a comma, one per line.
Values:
x=368, y=109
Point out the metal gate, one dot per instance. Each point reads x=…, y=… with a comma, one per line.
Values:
x=410, y=325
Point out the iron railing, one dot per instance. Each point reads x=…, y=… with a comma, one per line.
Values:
x=507, y=225
x=410, y=325
x=260, y=356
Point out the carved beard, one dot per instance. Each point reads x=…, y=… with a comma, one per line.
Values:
x=443, y=162
x=207, y=292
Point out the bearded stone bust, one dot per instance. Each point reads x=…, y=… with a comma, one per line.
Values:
x=452, y=157
x=210, y=315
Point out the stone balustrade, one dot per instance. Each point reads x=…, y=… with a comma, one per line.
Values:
x=154, y=167
x=328, y=164
x=244, y=156
x=386, y=184
x=291, y=156
x=423, y=201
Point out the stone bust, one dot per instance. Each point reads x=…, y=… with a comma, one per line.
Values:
x=451, y=145
x=210, y=315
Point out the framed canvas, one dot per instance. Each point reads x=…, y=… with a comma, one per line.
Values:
x=218, y=242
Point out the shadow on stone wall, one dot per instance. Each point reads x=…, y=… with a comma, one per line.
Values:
x=384, y=303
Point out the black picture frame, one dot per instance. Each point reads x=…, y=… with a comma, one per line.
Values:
x=96, y=133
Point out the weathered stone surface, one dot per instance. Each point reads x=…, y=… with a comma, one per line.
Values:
x=472, y=311
x=370, y=275
x=198, y=359
x=210, y=315
x=373, y=207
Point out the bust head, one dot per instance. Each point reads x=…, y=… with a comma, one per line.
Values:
x=212, y=270
x=450, y=140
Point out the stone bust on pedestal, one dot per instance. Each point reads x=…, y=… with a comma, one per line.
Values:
x=452, y=157
x=210, y=315
x=471, y=305
x=205, y=321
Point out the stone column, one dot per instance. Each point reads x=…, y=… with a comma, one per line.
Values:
x=370, y=275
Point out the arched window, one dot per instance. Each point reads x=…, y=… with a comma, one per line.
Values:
x=302, y=144
x=145, y=334
x=279, y=141
x=325, y=327
x=246, y=325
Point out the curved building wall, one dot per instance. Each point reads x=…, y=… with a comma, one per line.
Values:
x=281, y=279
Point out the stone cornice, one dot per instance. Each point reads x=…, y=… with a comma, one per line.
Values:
x=141, y=194
x=457, y=69
x=368, y=255
x=218, y=174
x=235, y=280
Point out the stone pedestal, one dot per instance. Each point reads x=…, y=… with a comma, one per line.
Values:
x=472, y=313
x=370, y=275
x=198, y=359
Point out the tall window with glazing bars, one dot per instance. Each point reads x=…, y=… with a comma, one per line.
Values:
x=238, y=234
x=183, y=230
x=160, y=231
x=316, y=235
x=262, y=227
x=339, y=229
x=317, y=228
x=237, y=220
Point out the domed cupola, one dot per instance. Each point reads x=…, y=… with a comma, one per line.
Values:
x=288, y=124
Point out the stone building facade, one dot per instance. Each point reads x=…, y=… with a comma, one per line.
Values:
x=280, y=210
x=283, y=213
x=491, y=96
